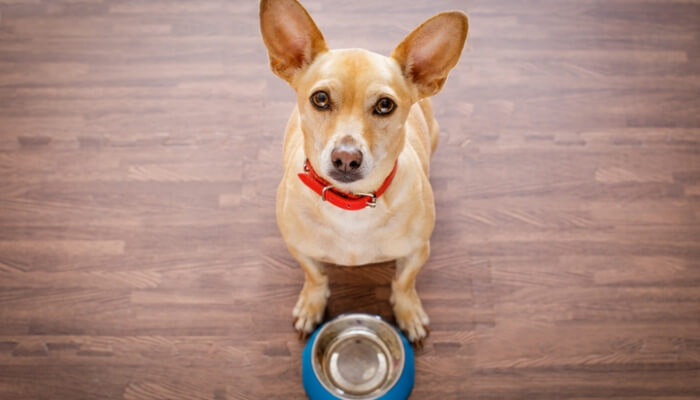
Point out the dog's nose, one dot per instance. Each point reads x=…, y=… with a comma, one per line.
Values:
x=346, y=159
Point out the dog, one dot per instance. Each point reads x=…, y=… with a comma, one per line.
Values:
x=356, y=153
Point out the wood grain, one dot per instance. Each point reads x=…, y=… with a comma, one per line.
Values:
x=140, y=147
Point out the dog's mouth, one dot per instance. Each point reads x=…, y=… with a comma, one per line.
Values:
x=345, y=177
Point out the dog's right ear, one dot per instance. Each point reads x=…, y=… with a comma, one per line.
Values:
x=292, y=39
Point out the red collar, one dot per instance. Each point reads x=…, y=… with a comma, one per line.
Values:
x=346, y=201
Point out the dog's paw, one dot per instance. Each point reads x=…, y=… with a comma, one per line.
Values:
x=411, y=317
x=308, y=312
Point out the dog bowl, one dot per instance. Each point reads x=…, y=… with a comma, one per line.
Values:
x=357, y=356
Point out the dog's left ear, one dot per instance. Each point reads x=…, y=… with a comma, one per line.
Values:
x=290, y=35
x=428, y=53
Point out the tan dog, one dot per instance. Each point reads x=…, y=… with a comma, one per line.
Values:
x=361, y=120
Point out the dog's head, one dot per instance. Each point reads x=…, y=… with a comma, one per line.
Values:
x=353, y=103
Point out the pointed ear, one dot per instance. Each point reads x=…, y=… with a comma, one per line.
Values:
x=431, y=50
x=290, y=35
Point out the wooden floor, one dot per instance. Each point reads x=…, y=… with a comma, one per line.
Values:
x=140, y=150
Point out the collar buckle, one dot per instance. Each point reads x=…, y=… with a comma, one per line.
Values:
x=323, y=192
x=372, y=201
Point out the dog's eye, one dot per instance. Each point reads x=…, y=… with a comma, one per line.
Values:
x=384, y=106
x=321, y=100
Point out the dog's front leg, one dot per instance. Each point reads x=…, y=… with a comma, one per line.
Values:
x=408, y=310
x=308, y=311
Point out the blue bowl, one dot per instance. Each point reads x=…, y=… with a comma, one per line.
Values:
x=357, y=356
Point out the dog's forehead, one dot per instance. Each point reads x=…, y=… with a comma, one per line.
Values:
x=356, y=65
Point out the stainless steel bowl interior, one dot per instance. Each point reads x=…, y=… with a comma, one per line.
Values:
x=358, y=356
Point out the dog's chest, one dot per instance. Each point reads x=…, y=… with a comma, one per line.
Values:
x=360, y=237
